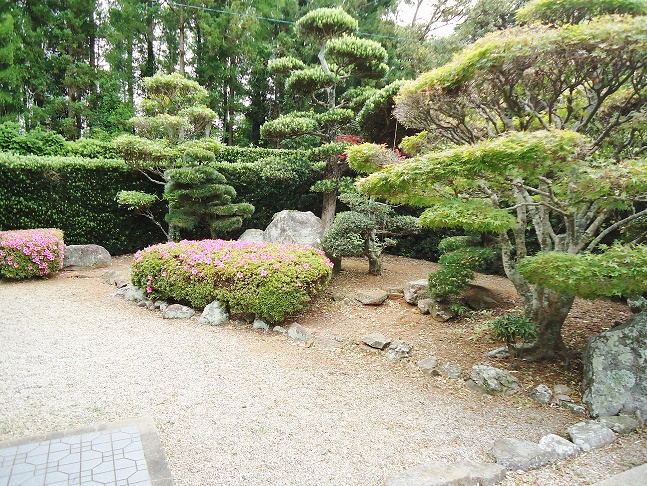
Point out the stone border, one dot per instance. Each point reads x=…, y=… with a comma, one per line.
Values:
x=158, y=469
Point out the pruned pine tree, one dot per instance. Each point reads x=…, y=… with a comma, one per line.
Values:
x=342, y=58
x=548, y=130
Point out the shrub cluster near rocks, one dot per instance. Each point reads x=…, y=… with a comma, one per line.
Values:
x=31, y=253
x=268, y=280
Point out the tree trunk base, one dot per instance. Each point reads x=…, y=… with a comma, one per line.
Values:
x=540, y=353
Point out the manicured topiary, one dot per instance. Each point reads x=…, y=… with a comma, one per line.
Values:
x=269, y=280
x=31, y=253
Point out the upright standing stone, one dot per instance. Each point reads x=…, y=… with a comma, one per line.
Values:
x=86, y=256
x=303, y=228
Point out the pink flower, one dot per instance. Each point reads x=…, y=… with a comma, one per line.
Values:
x=263, y=273
x=240, y=275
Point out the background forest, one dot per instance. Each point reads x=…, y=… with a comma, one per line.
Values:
x=76, y=67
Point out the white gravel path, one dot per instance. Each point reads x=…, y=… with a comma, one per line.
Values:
x=234, y=406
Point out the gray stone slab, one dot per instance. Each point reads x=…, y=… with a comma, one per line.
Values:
x=634, y=477
x=127, y=453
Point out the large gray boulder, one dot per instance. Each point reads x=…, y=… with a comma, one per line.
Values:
x=303, y=228
x=86, y=256
x=590, y=435
x=255, y=235
x=441, y=474
x=615, y=369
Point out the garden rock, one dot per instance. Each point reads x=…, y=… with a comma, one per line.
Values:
x=255, y=235
x=573, y=407
x=109, y=277
x=429, y=366
x=299, y=333
x=425, y=304
x=177, y=311
x=86, y=256
x=479, y=298
x=521, y=454
x=557, y=447
x=376, y=340
x=132, y=293
x=591, y=435
x=398, y=350
x=450, y=370
x=637, y=303
x=303, y=228
x=279, y=329
x=541, y=394
x=620, y=424
x=214, y=314
x=561, y=390
x=441, y=474
x=498, y=353
x=615, y=369
x=371, y=297
x=416, y=290
x=260, y=324
x=441, y=312
x=495, y=381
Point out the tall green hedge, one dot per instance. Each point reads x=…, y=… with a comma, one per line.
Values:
x=77, y=195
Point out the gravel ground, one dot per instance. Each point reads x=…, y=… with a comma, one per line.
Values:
x=238, y=407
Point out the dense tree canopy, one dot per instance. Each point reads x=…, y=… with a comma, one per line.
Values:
x=547, y=125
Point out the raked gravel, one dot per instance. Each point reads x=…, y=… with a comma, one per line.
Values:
x=233, y=406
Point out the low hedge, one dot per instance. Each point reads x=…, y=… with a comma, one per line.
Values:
x=31, y=253
x=268, y=280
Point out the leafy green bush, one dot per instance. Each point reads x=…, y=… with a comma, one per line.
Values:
x=268, y=280
x=91, y=148
x=31, y=253
x=511, y=327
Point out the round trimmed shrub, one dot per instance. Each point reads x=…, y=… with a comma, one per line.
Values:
x=269, y=280
x=31, y=253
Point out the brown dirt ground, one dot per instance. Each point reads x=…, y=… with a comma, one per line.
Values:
x=463, y=340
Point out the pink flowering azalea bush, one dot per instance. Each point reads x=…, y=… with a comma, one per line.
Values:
x=269, y=280
x=31, y=253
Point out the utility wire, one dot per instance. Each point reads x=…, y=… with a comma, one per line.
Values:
x=272, y=19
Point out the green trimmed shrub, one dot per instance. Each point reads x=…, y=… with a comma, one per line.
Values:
x=31, y=253
x=271, y=281
x=511, y=328
x=91, y=148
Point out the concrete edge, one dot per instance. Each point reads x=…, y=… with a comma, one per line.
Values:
x=160, y=474
x=636, y=476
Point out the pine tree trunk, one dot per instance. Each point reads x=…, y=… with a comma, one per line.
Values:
x=374, y=262
x=329, y=208
x=549, y=311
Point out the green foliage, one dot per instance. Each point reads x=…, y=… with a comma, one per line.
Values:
x=348, y=50
x=76, y=195
x=512, y=328
x=375, y=117
x=322, y=24
x=90, y=148
x=137, y=200
x=31, y=253
x=576, y=11
x=309, y=80
x=200, y=196
x=141, y=153
x=618, y=270
x=367, y=158
x=472, y=215
x=459, y=259
x=288, y=126
x=271, y=281
x=285, y=64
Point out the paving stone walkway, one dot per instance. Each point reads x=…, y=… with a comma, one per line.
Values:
x=126, y=453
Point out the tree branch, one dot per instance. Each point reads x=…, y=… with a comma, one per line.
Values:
x=614, y=227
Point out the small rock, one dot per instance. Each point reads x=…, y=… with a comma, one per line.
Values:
x=573, y=407
x=299, y=333
x=395, y=294
x=472, y=386
x=441, y=474
x=498, y=353
x=120, y=283
x=591, y=435
x=376, y=340
x=479, y=298
x=144, y=303
x=559, y=399
x=252, y=235
x=557, y=447
x=279, y=329
x=109, y=277
x=338, y=296
x=398, y=350
x=620, y=424
x=541, y=394
x=158, y=304
x=261, y=324
x=333, y=342
x=441, y=312
x=425, y=304
x=416, y=290
x=637, y=303
x=561, y=390
x=494, y=380
x=519, y=454
x=134, y=294
x=429, y=366
x=177, y=311
x=371, y=297
x=214, y=315
x=450, y=370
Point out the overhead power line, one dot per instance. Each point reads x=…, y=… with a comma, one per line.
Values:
x=272, y=19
